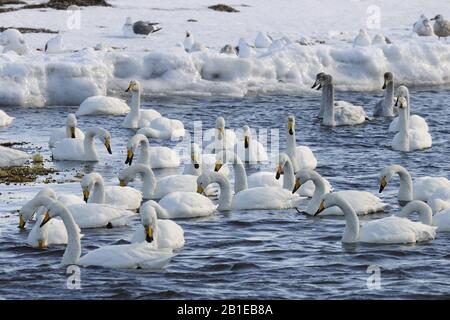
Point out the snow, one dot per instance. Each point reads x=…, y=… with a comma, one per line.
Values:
x=163, y=67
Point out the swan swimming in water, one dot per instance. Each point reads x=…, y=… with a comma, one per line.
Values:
x=260, y=198
x=155, y=156
x=301, y=156
x=407, y=139
x=142, y=255
x=250, y=150
x=415, y=122
x=385, y=107
x=164, y=233
x=361, y=201
x=82, y=150
x=337, y=113
x=137, y=114
x=162, y=128
x=391, y=229
x=440, y=220
x=102, y=105
x=69, y=131
x=95, y=191
x=422, y=188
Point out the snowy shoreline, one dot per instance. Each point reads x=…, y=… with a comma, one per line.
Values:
x=164, y=68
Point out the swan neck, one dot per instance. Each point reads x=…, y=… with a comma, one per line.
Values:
x=240, y=177
x=319, y=191
x=328, y=111
x=225, y=191
x=98, y=192
x=405, y=192
x=73, y=248
x=90, y=152
x=388, y=105
x=351, y=231
x=288, y=175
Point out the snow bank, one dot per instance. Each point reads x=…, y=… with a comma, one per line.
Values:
x=67, y=79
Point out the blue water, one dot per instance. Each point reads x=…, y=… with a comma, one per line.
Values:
x=253, y=254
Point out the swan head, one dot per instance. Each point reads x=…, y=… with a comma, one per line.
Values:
x=226, y=156
x=195, y=153
x=133, y=145
x=319, y=78
x=402, y=91
x=105, y=137
x=203, y=181
x=87, y=183
x=291, y=124
x=247, y=136
x=53, y=210
x=438, y=18
x=71, y=123
x=301, y=177
x=27, y=212
x=133, y=86
x=402, y=102
x=220, y=126
x=126, y=175
x=388, y=77
x=188, y=34
x=282, y=159
x=329, y=200
x=386, y=175
x=148, y=220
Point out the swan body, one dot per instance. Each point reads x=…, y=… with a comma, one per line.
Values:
x=423, y=27
x=409, y=139
x=301, y=156
x=260, y=198
x=137, y=114
x=69, y=131
x=101, y=105
x=155, y=157
x=440, y=199
x=391, y=229
x=415, y=122
x=77, y=150
x=441, y=220
x=163, y=128
x=362, y=202
x=263, y=179
x=135, y=255
x=422, y=189
x=385, y=107
x=164, y=233
x=337, y=113
x=5, y=120
x=94, y=191
x=12, y=158
x=249, y=150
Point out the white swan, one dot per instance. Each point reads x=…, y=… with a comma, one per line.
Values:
x=423, y=27
x=250, y=150
x=422, y=188
x=286, y=168
x=392, y=229
x=337, y=113
x=12, y=158
x=86, y=215
x=101, y=105
x=260, y=198
x=415, y=122
x=69, y=131
x=362, y=39
x=163, y=128
x=136, y=114
x=95, y=191
x=155, y=157
x=385, y=107
x=439, y=200
x=441, y=220
x=219, y=138
x=77, y=150
x=165, y=233
x=53, y=233
x=5, y=120
x=409, y=139
x=361, y=201
x=301, y=156
x=156, y=189
x=136, y=255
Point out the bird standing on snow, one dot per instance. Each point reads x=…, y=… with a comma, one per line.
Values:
x=441, y=26
x=139, y=27
x=13, y=40
x=423, y=27
x=54, y=45
x=188, y=41
x=362, y=39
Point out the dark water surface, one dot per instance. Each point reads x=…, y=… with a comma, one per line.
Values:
x=253, y=254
